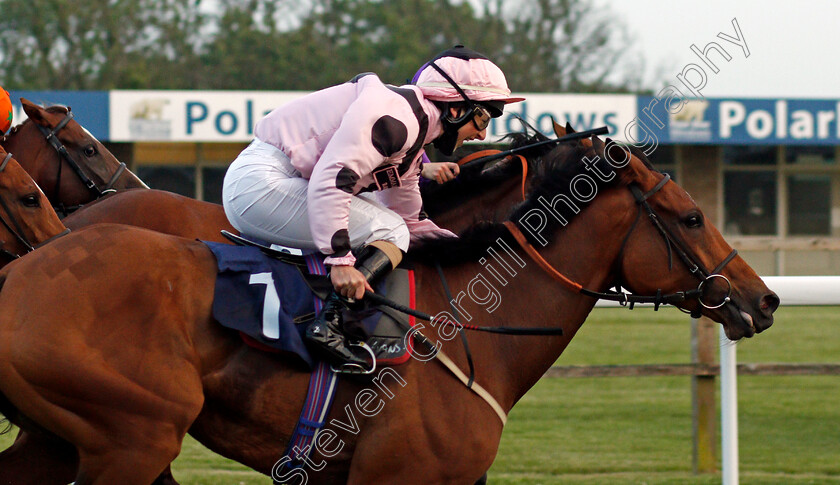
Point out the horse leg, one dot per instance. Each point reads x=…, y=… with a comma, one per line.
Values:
x=482, y=480
x=39, y=459
x=35, y=458
x=142, y=461
x=165, y=478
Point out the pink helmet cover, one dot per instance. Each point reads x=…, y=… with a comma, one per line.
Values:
x=480, y=79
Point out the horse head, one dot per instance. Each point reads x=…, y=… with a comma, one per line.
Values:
x=662, y=244
x=680, y=248
x=65, y=158
x=26, y=216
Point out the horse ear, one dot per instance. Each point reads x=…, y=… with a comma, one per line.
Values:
x=618, y=152
x=569, y=129
x=623, y=155
x=34, y=112
x=558, y=130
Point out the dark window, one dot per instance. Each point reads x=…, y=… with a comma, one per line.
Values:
x=180, y=180
x=663, y=155
x=809, y=204
x=749, y=155
x=664, y=159
x=750, y=203
x=213, y=178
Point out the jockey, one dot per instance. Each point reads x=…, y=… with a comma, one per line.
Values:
x=305, y=179
x=5, y=111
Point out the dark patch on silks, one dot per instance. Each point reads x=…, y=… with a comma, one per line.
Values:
x=346, y=180
x=388, y=135
x=340, y=243
x=422, y=120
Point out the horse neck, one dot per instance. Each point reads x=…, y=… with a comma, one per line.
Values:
x=484, y=206
x=509, y=365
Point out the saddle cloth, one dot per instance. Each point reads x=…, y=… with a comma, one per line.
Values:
x=271, y=302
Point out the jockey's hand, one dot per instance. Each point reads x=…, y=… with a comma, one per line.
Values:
x=349, y=282
x=441, y=172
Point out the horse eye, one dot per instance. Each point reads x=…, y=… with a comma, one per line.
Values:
x=90, y=151
x=31, y=200
x=693, y=221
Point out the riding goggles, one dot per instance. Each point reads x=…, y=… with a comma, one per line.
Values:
x=481, y=117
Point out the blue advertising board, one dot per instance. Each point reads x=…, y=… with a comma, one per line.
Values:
x=709, y=121
x=722, y=121
x=90, y=108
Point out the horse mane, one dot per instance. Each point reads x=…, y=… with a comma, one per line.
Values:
x=553, y=173
x=475, y=179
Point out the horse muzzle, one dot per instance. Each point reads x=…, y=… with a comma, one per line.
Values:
x=742, y=318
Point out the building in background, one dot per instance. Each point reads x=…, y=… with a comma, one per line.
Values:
x=764, y=170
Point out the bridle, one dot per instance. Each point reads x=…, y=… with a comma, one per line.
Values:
x=691, y=261
x=15, y=228
x=52, y=138
x=625, y=298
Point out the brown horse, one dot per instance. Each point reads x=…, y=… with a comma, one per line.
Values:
x=41, y=459
x=69, y=163
x=26, y=218
x=142, y=361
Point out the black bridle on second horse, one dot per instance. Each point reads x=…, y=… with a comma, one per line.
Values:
x=14, y=226
x=52, y=138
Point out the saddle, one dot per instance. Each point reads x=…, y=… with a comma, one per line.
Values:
x=270, y=296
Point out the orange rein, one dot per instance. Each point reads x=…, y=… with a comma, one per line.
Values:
x=545, y=265
x=487, y=153
x=517, y=234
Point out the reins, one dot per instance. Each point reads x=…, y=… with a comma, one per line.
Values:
x=630, y=299
x=622, y=297
x=381, y=300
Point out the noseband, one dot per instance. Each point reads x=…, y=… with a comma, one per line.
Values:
x=683, y=252
x=671, y=240
x=52, y=138
x=15, y=228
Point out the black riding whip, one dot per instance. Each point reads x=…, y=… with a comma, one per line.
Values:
x=572, y=137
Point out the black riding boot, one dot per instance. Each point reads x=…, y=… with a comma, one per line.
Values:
x=326, y=332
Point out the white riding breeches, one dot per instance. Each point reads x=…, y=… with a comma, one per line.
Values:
x=265, y=197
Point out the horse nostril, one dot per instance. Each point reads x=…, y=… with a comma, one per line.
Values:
x=769, y=303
